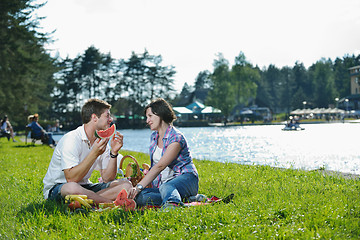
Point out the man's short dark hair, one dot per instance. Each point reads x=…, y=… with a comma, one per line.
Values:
x=93, y=106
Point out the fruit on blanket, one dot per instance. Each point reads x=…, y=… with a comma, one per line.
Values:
x=70, y=198
x=106, y=133
x=123, y=201
x=89, y=201
x=82, y=202
x=74, y=205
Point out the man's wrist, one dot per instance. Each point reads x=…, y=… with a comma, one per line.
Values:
x=113, y=155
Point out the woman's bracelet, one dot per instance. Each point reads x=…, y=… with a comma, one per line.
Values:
x=114, y=156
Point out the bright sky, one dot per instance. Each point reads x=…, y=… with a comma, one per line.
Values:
x=189, y=33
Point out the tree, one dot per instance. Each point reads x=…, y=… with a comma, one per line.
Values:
x=244, y=78
x=303, y=87
x=159, y=78
x=143, y=78
x=26, y=69
x=203, y=80
x=341, y=74
x=324, y=85
x=263, y=97
x=272, y=78
x=95, y=72
x=68, y=89
x=221, y=95
x=287, y=89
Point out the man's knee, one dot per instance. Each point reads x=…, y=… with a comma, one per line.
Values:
x=71, y=188
x=122, y=183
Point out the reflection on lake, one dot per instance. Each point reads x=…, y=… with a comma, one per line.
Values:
x=333, y=146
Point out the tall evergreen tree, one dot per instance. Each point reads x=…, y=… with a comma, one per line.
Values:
x=26, y=69
x=94, y=72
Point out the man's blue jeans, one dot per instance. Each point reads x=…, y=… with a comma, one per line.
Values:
x=182, y=186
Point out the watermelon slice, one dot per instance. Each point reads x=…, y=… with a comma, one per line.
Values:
x=124, y=202
x=108, y=133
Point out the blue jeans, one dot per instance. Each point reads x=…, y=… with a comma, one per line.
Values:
x=182, y=186
x=55, y=191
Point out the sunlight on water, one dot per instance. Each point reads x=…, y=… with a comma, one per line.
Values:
x=334, y=146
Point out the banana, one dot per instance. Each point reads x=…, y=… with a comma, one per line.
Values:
x=70, y=198
x=89, y=201
x=82, y=202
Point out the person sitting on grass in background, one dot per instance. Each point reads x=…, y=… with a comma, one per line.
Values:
x=38, y=131
x=173, y=174
x=6, y=128
x=79, y=152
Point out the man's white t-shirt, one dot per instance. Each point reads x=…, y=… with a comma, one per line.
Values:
x=71, y=150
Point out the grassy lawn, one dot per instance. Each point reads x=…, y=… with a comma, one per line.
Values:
x=269, y=204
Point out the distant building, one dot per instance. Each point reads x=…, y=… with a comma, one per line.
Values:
x=355, y=80
x=351, y=103
x=195, y=113
x=253, y=113
x=199, y=95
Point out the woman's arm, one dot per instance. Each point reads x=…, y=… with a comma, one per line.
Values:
x=170, y=155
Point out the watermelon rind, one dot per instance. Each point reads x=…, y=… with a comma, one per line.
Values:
x=108, y=133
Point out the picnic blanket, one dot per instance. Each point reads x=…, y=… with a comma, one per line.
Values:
x=80, y=203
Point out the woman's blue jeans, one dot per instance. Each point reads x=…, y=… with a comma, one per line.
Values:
x=182, y=186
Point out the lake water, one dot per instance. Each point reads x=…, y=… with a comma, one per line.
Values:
x=335, y=146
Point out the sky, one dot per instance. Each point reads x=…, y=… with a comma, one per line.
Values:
x=189, y=34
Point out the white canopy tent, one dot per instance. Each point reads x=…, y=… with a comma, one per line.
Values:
x=317, y=111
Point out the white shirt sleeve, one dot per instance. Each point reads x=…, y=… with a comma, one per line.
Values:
x=71, y=155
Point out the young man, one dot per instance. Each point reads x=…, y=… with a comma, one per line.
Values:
x=79, y=152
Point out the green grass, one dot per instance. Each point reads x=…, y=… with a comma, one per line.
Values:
x=269, y=203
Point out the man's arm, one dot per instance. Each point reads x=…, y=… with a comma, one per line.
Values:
x=109, y=173
x=77, y=173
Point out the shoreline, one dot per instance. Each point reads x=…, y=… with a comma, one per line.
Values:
x=323, y=171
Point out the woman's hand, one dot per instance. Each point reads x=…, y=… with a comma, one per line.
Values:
x=133, y=192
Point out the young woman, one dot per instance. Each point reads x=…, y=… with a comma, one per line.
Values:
x=173, y=175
